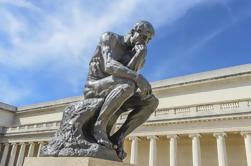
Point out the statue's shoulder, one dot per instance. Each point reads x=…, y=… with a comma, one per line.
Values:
x=110, y=38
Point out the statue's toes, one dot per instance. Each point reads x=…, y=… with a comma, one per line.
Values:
x=121, y=154
x=124, y=154
x=106, y=143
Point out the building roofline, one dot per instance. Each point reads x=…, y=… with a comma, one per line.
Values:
x=7, y=107
x=50, y=103
x=203, y=76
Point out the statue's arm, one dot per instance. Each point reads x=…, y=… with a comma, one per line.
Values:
x=111, y=65
x=136, y=63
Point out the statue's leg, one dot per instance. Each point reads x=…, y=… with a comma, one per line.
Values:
x=113, y=120
x=129, y=104
x=113, y=101
x=142, y=111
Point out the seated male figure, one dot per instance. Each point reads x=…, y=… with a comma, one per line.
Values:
x=113, y=75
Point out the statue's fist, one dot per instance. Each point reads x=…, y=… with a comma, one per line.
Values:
x=139, y=49
x=144, y=86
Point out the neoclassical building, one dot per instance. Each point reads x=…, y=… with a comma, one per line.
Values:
x=203, y=119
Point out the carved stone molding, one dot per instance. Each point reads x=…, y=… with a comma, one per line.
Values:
x=194, y=135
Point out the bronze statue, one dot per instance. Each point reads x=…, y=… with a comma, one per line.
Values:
x=113, y=86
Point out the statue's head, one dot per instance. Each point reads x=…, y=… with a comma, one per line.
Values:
x=142, y=33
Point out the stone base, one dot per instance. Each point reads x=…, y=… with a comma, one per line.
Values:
x=70, y=161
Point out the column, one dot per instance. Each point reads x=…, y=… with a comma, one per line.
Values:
x=134, y=150
x=173, y=149
x=152, y=151
x=247, y=140
x=5, y=153
x=20, y=158
x=40, y=146
x=221, y=149
x=196, y=149
x=31, y=149
x=12, y=154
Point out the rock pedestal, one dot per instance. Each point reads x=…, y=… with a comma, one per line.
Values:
x=70, y=161
x=74, y=138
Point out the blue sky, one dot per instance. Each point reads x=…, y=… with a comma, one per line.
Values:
x=45, y=46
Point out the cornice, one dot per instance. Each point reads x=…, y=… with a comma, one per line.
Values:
x=7, y=107
x=219, y=74
x=49, y=104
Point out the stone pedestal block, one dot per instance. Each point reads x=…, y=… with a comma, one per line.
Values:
x=70, y=161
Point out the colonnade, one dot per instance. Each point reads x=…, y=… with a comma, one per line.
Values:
x=196, y=151
x=10, y=155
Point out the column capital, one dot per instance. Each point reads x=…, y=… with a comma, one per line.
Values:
x=245, y=133
x=172, y=136
x=131, y=138
x=41, y=142
x=220, y=134
x=194, y=135
x=31, y=143
x=152, y=137
x=21, y=143
x=13, y=143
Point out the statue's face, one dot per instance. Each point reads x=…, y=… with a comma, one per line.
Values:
x=140, y=38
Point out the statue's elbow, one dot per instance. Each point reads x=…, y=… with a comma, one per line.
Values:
x=108, y=68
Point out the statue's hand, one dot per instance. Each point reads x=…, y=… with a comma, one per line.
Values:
x=140, y=49
x=138, y=60
x=144, y=86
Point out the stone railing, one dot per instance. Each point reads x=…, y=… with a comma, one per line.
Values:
x=32, y=127
x=198, y=111
x=170, y=114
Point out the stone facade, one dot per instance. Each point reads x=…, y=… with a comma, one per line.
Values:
x=202, y=119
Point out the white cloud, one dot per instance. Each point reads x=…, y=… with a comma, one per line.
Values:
x=11, y=93
x=19, y=3
x=62, y=36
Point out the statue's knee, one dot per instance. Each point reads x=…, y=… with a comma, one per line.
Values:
x=150, y=106
x=153, y=102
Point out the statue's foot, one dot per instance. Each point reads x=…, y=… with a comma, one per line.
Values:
x=121, y=153
x=102, y=138
x=105, y=142
x=119, y=147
